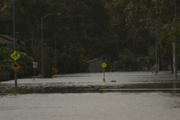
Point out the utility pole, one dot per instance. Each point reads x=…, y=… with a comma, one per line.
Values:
x=42, y=38
x=14, y=34
x=54, y=65
x=174, y=59
x=157, y=38
x=174, y=43
x=42, y=45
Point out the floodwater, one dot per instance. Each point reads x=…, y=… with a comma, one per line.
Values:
x=91, y=106
x=97, y=78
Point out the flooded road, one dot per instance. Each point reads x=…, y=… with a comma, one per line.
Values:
x=93, y=82
x=97, y=78
x=91, y=106
x=130, y=105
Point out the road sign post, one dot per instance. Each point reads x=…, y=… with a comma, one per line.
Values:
x=15, y=66
x=35, y=66
x=15, y=78
x=104, y=77
x=104, y=66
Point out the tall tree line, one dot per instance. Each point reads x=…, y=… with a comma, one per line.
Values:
x=125, y=32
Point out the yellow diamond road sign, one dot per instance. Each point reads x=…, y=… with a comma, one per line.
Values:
x=103, y=65
x=15, y=55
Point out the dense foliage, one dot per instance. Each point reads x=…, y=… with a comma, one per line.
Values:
x=128, y=33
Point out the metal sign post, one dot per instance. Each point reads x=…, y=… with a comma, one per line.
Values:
x=104, y=77
x=104, y=66
x=15, y=78
x=35, y=66
x=15, y=66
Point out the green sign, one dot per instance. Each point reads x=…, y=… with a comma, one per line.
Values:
x=15, y=55
x=103, y=65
